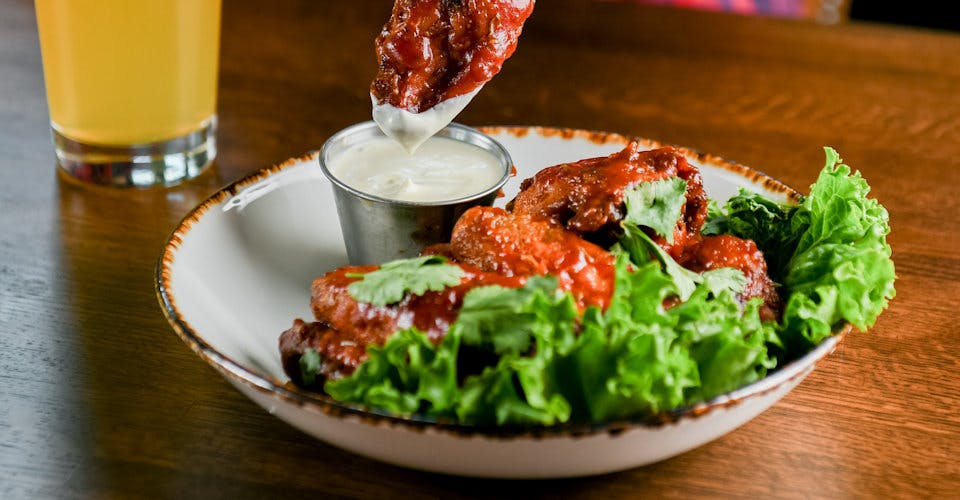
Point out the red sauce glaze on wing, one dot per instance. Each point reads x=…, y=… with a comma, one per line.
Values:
x=587, y=196
x=345, y=326
x=432, y=50
x=431, y=312
x=715, y=252
x=520, y=245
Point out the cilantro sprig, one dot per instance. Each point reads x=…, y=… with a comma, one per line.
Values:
x=394, y=280
x=657, y=205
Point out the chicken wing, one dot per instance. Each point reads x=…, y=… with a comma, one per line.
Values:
x=514, y=244
x=587, y=196
x=715, y=252
x=432, y=50
x=345, y=326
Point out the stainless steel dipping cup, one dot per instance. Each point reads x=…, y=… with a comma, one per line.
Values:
x=377, y=230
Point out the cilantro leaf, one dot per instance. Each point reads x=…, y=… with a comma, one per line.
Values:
x=642, y=249
x=724, y=278
x=309, y=366
x=657, y=205
x=393, y=280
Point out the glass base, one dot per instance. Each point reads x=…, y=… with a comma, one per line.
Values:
x=163, y=163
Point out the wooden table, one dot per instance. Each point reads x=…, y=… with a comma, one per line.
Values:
x=98, y=397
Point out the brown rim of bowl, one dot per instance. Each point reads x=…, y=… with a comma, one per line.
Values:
x=320, y=402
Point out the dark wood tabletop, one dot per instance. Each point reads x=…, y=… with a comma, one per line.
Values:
x=99, y=398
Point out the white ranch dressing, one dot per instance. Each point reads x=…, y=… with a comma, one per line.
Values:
x=412, y=129
x=441, y=169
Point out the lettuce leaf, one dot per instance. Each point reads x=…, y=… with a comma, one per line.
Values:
x=829, y=252
x=526, y=331
x=841, y=269
x=639, y=358
x=531, y=328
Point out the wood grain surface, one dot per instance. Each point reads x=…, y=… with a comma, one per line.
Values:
x=98, y=397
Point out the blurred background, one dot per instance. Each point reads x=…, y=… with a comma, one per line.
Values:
x=920, y=13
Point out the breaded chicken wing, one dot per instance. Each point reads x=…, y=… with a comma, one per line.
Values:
x=514, y=244
x=715, y=252
x=587, y=196
x=346, y=326
x=433, y=50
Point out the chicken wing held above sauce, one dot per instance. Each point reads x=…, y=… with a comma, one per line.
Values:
x=587, y=196
x=432, y=50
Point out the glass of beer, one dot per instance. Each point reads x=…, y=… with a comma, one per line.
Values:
x=132, y=87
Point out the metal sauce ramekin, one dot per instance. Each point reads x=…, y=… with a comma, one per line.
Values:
x=377, y=230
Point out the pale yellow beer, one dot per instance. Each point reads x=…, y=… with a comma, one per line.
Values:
x=121, y=72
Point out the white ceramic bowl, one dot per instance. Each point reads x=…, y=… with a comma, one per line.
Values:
x=237, y=271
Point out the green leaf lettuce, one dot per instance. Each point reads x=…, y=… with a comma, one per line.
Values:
x=829, y=252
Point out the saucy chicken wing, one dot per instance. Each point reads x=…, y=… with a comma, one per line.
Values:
x=513, y=244
x=715, y=252
x=587, y=196
x=345, y=326
x=432, y=50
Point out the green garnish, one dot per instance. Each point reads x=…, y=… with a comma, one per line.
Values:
x=309, y=366
x=642, y=249
x=657, y=205
x=724, y=278
x=830, y=252
x=393, y=280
